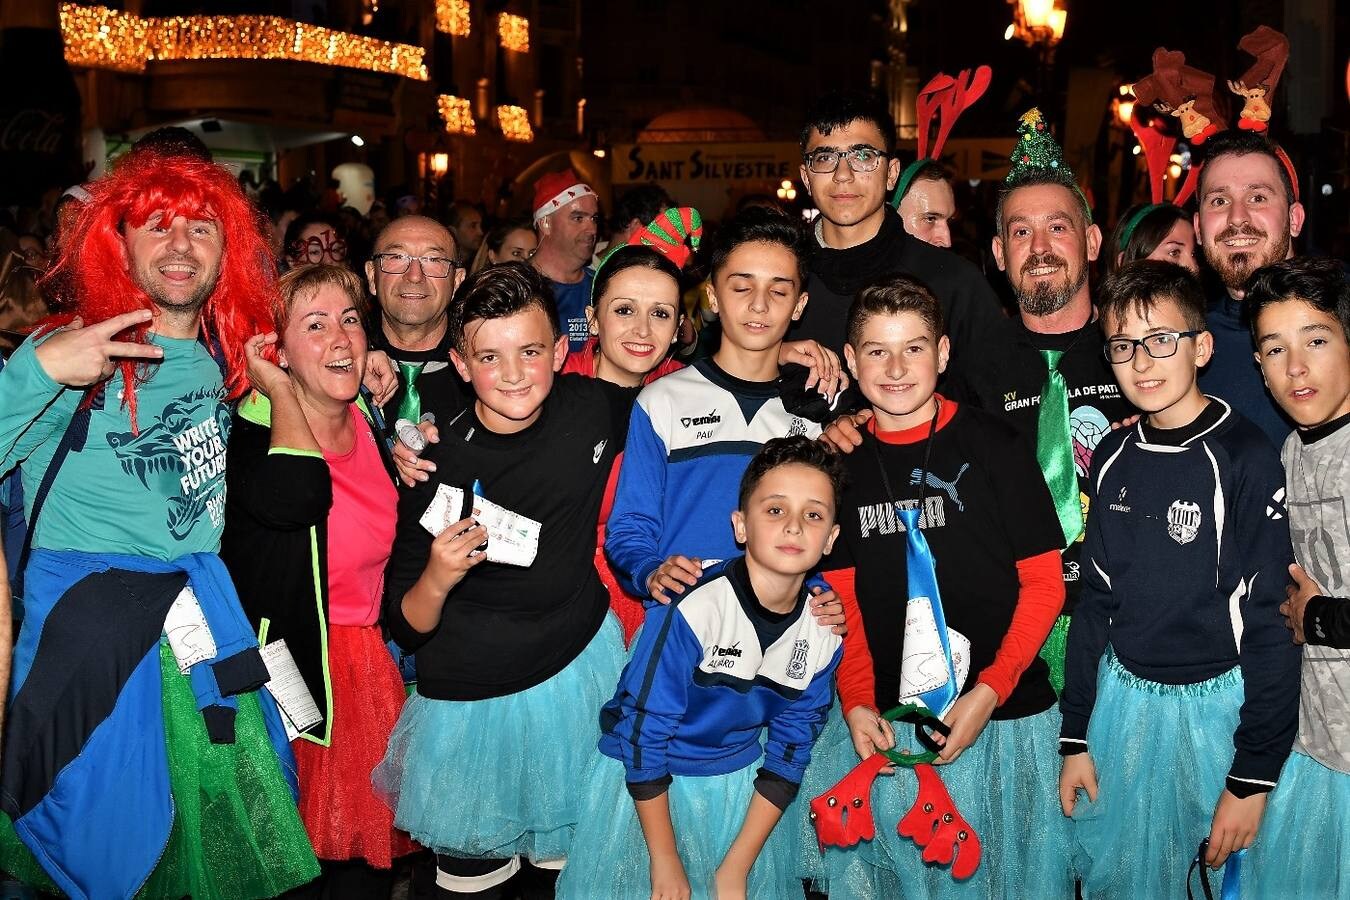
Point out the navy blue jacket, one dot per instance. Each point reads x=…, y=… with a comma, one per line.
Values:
x=1185, y=563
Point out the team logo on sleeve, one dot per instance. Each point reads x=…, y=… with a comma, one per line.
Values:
x=796, y=669
x=1275, y=508
x=1183, y=521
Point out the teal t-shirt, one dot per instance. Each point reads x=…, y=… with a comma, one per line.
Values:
x=158, y=492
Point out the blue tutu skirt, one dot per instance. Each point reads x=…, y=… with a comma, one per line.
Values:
x=609, y=854
x=1162, y=752
x=495, y=778
x=1303, y=847
x=1006, y=786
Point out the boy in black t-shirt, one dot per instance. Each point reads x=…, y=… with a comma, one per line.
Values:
x=987, y=520
x=504, y=608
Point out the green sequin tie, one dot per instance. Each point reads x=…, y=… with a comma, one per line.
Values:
x=1054, y=449
x=410, y=407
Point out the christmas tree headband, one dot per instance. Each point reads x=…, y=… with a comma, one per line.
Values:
x=1187, y=94
x=948, y=97
x=1036, y=152
x=675, y=234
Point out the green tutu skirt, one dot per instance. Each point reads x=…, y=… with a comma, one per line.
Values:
x=236, y=833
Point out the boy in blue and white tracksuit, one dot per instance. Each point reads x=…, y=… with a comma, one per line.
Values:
x=690, y=438
x=694, y=431
x=711, y=728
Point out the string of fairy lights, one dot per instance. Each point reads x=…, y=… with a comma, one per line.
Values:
x=514, y=123
x=98, y=37
x=456, y=114
x=101, y=38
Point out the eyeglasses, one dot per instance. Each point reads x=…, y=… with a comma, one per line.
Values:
x=399, y=263
x=861, y=158
x=1159, y=345
x=313, y=250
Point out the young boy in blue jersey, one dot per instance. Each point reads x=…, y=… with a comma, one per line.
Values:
x=1300, y=321
x=1181, y=731
x=694, y=431
x=735, y=653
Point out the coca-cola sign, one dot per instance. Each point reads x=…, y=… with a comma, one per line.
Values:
x=40, y=133
x=33, y=131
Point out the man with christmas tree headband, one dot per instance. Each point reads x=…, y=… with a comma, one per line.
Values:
x=1044, y=370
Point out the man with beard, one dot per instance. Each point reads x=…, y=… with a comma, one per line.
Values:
x=413, y=273
x=1044, y=370
x=567, y=217
x=1248, y=216
x=849, y=168
x=135, y=656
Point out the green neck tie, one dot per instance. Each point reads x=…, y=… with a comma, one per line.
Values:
x=1054, y=449
x=410, y=407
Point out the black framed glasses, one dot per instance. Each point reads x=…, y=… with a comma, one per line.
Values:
x=861, y=158
x=400, y=263
x=1159, y=345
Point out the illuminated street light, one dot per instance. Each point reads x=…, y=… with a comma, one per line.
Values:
x=786, y=191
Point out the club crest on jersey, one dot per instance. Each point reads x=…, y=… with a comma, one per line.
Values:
x=796, y=669
x=1183, y=521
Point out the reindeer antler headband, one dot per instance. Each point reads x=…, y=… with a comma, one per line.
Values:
x=945, y=98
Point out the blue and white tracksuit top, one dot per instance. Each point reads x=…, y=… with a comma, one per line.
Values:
x=691, y=437
x=707, y=674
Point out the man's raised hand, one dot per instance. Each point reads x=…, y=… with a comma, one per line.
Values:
x=78, y=355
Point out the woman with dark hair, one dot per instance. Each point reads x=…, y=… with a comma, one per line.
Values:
x=309, y=524
x=313, y=238
x=511, y=241
x=1160, y=231
x=634, y=316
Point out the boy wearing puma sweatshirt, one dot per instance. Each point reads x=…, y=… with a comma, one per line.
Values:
x=990, y=524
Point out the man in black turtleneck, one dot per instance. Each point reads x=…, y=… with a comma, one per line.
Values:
x=849, y=167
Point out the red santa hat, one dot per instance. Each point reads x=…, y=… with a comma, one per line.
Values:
x=557, y=189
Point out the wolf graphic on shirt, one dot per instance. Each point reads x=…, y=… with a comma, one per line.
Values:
x=180, y=455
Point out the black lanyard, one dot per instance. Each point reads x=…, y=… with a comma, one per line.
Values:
x=927, y=453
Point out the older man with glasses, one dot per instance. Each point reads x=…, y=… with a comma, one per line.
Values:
x=413, y=273
x=849, y=168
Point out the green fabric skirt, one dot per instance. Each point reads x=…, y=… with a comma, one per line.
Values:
x=236, y=833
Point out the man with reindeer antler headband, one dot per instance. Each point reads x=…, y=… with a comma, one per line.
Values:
x=1248, y=205
x=850, y=169
x=923, y=196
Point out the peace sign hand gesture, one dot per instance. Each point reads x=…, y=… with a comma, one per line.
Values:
x=79, y=355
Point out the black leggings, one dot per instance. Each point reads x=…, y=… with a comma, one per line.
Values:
x=346, y=880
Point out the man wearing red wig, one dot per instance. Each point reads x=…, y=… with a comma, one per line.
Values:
x=141, y=755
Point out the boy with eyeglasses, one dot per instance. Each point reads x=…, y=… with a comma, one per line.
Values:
x=1182, y=730
x=849, y=168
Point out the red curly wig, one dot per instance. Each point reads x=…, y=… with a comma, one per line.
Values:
x=90, y=278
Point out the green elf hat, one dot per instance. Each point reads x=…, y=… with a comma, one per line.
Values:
x=675, y=234
x=1036, y=152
